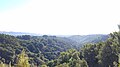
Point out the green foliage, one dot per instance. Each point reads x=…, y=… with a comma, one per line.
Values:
x=86, y=39
x=49, y=51
x=119, y=60
x=40, y=49
x=63, y=65
x=22, y=60
x=70, y=58
x=103, y=54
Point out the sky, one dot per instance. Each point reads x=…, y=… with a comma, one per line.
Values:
x=60, y=17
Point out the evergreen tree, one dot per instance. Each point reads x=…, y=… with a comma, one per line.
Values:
x=23, y=60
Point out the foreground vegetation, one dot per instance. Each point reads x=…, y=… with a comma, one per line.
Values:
x=58, y=52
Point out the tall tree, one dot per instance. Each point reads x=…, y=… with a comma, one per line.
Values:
x=23, y=60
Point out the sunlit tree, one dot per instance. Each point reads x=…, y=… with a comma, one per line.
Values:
x=2, y=64
x=22, y=60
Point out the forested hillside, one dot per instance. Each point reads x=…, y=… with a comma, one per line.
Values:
x=102, y=54
x=52, y=51
x=85, y=39
x=40, y=48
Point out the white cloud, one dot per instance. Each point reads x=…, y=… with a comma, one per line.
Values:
x=63, y=17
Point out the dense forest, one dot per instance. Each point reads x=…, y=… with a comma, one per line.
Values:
x=52, y=51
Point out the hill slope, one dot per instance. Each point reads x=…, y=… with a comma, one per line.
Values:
x=84, y=39
x=40, y=48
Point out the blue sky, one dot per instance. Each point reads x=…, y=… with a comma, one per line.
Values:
x=60, y=17
x=9, y=4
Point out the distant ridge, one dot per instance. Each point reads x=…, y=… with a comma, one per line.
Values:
x=19, y=33
x=32, y=34
x=94, y=38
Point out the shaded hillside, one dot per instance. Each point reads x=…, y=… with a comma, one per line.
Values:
x=84, y=39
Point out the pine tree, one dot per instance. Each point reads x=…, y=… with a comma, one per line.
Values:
x=23, y=60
